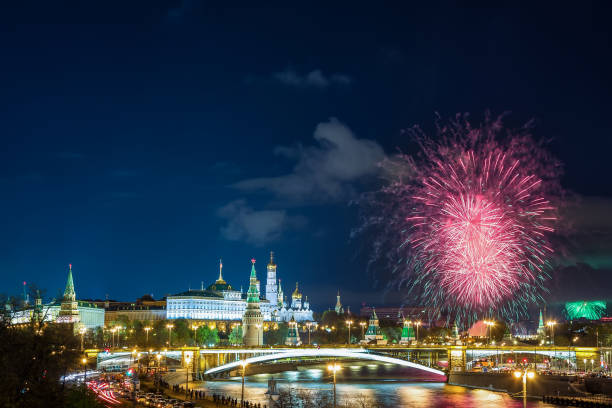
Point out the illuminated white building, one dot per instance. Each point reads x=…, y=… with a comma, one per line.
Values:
x=221, y=302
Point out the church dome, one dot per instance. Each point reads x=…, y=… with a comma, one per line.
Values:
x=296, y=293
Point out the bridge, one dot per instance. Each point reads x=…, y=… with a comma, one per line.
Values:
x=433, y=359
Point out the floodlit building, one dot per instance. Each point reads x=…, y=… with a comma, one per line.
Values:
x=67, y=310
x=222, y=302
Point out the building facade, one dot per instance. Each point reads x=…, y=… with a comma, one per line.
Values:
x=221, y=302
x=67, y=310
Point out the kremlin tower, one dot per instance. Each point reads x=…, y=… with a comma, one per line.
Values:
x=252, y=320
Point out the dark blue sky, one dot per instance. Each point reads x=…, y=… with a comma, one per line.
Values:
x=144, y=140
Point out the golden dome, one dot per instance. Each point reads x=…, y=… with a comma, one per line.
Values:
x=296, y=293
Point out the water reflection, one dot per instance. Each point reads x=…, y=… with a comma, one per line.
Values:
x=368, y=383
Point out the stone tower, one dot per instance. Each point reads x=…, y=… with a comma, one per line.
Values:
x=69, y=309
x=37, y=316
x=339, y=309
x=407, y=333
x=271, y=289
x=252, y=320
x=293, y=337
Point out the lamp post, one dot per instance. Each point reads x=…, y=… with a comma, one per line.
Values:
x=169, y=326
x=309, y=325
x=187, y=361
x=334, y=368
x=551, y=325
x=259, y=327
x=195, y=333
x=363, y=325
x=417, y=324
x=489, y=324
x=158, y=357
x=349, y=323
x=84, y=361
x=524, y=374
x=82, y=331
x=243, y=364
x=146, y=329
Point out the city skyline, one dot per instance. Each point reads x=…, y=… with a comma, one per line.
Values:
x=142, y=146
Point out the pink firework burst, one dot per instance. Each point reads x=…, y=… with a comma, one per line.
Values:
x=473, y=214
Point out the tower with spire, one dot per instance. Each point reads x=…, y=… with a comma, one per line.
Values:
x=38, y=308
x=541, y=332
x=407, y=333
x=339, y=309
x=69, y=308
x=374, y=335
x=293, y=336
x=271, y=289
x=252, y=320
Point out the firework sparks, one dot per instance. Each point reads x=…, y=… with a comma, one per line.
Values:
x=474, y=219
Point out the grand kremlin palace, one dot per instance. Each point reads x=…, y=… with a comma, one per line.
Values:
x=221, y=302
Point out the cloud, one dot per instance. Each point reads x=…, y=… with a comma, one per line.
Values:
x=312, y=79
x=325, y=172
x=256, y=227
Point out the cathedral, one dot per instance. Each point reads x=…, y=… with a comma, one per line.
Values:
x=221, y=302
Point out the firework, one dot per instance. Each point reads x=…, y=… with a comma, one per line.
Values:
x=592, y=310
x=473, y=214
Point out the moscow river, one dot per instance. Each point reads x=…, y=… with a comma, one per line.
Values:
x=374, y=382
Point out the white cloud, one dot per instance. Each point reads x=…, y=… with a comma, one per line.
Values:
x=257, y=227
x=324, y=172
x=312, y=79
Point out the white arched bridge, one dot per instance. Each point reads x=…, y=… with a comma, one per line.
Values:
x=358, y=354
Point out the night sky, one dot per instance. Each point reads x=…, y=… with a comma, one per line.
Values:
x=142, y=141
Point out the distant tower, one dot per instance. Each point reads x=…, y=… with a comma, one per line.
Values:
x=69, y=311
x=281, y=295
x=38, y=309
x=541, y=332
x=252, y=320
x=407, y=333
x=26, y=297
x=339, y=308
x=293, y=337
x=271, y=289
x=373, y=334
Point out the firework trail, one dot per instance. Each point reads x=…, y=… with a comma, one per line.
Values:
x=470, y=217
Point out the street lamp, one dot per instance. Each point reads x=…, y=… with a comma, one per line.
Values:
x=489, y=324
x=363, y=325
x=524, y=374
x=84, y=361
x=417, y=324
x=259, y=327
x=243, y=364
x=158, y=357
x=82, y=331
x=349, y=323
x=169, y=326
x=146, y=329
x=334, y=368
x=195, y=333
x=187, y=361
x=309, y=325
x=551, y=324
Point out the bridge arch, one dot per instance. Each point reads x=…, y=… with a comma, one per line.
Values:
x=345, y=353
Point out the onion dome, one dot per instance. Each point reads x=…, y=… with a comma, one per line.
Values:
x=296, y=293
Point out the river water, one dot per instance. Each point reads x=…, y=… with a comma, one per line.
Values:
x=359, y=383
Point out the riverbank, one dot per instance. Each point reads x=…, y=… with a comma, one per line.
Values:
x=537, y=387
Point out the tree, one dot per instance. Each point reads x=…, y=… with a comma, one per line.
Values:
x=207, y=336
x=235, y=336
x=32, y=361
